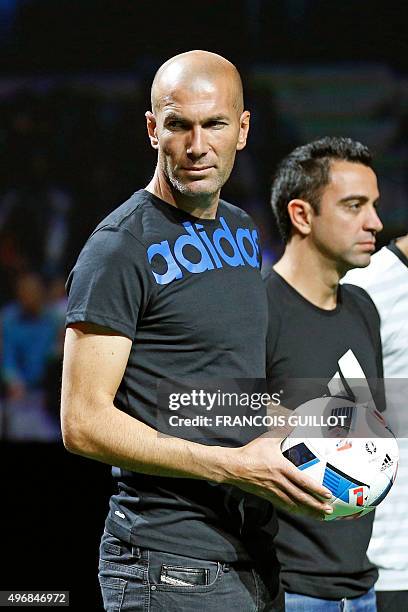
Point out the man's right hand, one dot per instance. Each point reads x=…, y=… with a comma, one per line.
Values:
x=261, y=469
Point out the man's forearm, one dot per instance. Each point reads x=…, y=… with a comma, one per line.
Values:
x=116, y=438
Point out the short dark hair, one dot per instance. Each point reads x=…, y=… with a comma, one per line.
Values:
x=305, y=172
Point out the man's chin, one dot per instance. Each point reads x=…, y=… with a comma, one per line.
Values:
x=196, y=189
x=359, y=262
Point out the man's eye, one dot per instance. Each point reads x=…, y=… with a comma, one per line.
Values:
x=216, y=124
x=175, y=124
x=354, y=205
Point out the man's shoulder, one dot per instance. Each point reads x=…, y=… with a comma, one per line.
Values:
x=281, y=299
x=129, y=216
x=275, y=284
x=357, y=297
x=120, y=236
x=234, y=211
x=354, y=292
x=270, y=277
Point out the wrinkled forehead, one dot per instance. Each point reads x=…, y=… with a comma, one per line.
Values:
x=194, y=92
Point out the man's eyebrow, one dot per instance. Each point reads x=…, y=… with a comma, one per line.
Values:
x=173, y=115
x=218, y=117
x=356, y=196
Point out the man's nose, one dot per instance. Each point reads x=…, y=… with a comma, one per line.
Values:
x=197, y=145
x=373, y=221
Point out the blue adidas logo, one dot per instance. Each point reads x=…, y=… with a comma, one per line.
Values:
x=243, y=249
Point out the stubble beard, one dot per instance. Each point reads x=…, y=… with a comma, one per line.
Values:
x=185, y=188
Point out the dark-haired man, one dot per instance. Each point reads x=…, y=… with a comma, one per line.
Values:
x=324, y=197
x=168, y=285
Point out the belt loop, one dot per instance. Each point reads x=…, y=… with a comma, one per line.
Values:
x=226, y=567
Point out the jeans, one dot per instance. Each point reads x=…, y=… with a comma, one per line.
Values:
x=136, y=579
x=303, y=603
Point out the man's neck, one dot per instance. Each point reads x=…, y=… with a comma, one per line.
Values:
x=402, y=244
x=202, y=207
x=313, y=276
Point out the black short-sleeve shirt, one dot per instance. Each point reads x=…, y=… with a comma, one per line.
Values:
x=305, y=343
x=189, y=294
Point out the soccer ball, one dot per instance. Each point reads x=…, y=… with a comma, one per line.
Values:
x=357, y=461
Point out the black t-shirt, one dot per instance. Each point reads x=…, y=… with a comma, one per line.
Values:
x=189, y=294
x=305, y=343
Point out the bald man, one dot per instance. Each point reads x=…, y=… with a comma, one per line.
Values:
x=169, y=286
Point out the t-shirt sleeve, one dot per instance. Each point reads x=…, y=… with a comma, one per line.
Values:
x=110, y=282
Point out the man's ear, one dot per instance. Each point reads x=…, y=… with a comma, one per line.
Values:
x=243, y=130
x=300, y=213
x=152, y=129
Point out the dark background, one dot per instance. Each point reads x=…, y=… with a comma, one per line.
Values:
x=74, y=85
